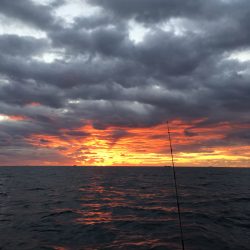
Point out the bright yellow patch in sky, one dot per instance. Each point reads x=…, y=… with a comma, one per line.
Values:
x=115, y=146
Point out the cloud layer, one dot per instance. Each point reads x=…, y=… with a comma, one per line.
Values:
x=125, y=65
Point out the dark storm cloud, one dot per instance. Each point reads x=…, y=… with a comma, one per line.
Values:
x=22, y=93
x=116, y=135
x=155, y=11
x=242, y=137
x=100, y=75
x=98, y=21
x=14, y=45
x=77, y=133
x=102, y=40
x=27, y=11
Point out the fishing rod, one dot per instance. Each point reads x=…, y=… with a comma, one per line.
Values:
x=176, y=189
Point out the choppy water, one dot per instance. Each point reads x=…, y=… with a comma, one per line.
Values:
x=123, y=208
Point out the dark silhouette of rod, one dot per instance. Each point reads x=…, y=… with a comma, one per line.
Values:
x=176, y=189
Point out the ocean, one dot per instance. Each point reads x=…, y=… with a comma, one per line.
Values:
x=66, y=208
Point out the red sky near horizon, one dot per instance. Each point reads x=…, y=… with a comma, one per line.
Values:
x=125, y=146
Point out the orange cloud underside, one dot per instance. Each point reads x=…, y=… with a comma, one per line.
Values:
x=12, y=117
x=146, y=146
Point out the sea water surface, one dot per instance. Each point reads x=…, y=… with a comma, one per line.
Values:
x=123, y=208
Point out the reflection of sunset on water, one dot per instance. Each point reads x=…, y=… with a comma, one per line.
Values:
x=104, y=204
x=89, y=208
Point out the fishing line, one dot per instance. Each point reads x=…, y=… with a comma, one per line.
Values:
x=176, y=189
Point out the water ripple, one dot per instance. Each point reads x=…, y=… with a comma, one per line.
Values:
x=123, y=208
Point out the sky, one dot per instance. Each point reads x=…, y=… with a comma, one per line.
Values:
x=94, y=82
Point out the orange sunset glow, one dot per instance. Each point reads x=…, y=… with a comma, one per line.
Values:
x=126, y=146
x=12, y=117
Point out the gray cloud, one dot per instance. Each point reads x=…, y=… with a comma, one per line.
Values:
x=102, y=76
x=155, y=11
x=13, y=45
x=27, y=11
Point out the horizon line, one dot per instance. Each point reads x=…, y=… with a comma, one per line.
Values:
x=123, y=166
